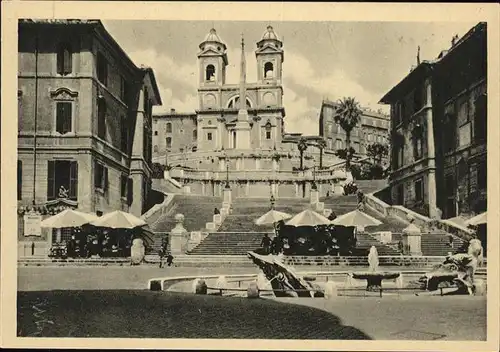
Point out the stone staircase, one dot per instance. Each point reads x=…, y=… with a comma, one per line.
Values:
x=228, y=243
x=365, y=241
x=370, y=186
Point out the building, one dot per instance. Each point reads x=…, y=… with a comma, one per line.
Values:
x=373, y=128
x=222, y=121
x=439, y=130
x=85, y=120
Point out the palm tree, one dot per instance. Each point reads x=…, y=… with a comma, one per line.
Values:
x=321, y=146
x=347, y=115
x=302, y=145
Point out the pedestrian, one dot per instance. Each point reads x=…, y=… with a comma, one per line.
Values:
x=265, y=243
x=216, y=211
x=170, y=259
x=162, y=252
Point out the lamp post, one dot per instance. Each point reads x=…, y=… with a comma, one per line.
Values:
x=227, y=171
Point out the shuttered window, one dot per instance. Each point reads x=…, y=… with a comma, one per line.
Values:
x=63, y=117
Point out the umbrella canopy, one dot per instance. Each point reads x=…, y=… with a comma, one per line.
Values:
x=308, y=218
x=477, y=220
x=272, y=217
x=356, y=218
x=118, y=220
x=68, y=218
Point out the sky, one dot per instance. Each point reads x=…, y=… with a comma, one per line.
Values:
x=322, y=59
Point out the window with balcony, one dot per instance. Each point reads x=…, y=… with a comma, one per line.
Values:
x=64, y=59
x=62, y=179
x=64, y=117
x=102, y=69
x=100, y=177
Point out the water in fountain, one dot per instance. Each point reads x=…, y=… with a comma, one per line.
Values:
x=221, y=282
x=373, y=259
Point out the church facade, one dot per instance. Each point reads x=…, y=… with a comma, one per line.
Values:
x=223, y=121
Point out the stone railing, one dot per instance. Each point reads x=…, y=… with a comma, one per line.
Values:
x=420, y=220
x=158, y=209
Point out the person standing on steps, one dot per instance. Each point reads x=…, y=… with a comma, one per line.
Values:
x=265, y=243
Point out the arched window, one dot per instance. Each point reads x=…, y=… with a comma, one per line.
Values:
x=210, y=73
x=234, y=103
x=64, y=59
x=268, y=70
x=169, y=127
x=195, y=135
x=169, y=142
x=155, y=149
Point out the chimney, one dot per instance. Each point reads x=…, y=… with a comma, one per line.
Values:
x=172, y=111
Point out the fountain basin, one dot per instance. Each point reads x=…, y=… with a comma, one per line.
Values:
x=374, y=279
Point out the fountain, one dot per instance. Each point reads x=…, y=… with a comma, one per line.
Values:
x=456, y=274
x=373, y=276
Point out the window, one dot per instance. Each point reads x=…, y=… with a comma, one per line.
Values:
x=209, y=136
x=195, y=135
x=64, y=59
x=123, y=89
x=464, y=135
x=210, y=73
x=130, y=191
x=482, y=176
x=400, y=195
x=123, y=185
x=419, y=190
x=156, y=133
x=400, y=156
x=169, y=127
x=155, y=149
x=124, y=134
x=268, y=134
x=19, y=179
x=63, y=117
x=62, y=179
x=417, y=136
x=169, y=142
x=101, y=177
x=101, y=119
x=480, y=119
x=102, y=69
x=268, y=70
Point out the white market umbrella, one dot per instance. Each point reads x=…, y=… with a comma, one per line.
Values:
x=68, y=218
x=308, y=218
x=356, y=218
x=119, y=220
x=272, y=217
x=477, y=220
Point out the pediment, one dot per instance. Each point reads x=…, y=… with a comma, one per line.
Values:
x=63, y=94
x=209, y=52
x=61, y=202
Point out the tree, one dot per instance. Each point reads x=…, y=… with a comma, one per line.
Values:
x=377, y=151
x=321, y=146
x=342, y=153
x=347, y=115
x=302, y=145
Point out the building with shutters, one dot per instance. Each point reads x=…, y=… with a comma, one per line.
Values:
x=373, y=128
x=85, y=120
x=439, y=131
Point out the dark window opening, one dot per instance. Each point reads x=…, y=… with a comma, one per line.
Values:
x=209, y=136
x=269, y=70
x=156, y=133
x=63, y=117
x=19, y=179
x=62, y=179
x=64, y=59
x=268, y=134
x=102, y=69
x=195, y=135
x=210, y=73
x=169, y=142
x=101, y=119
x=124, y=134
x=480, y=119
x=130, y=191
x=400, y=195
x=419, y=190
x=169, y=127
